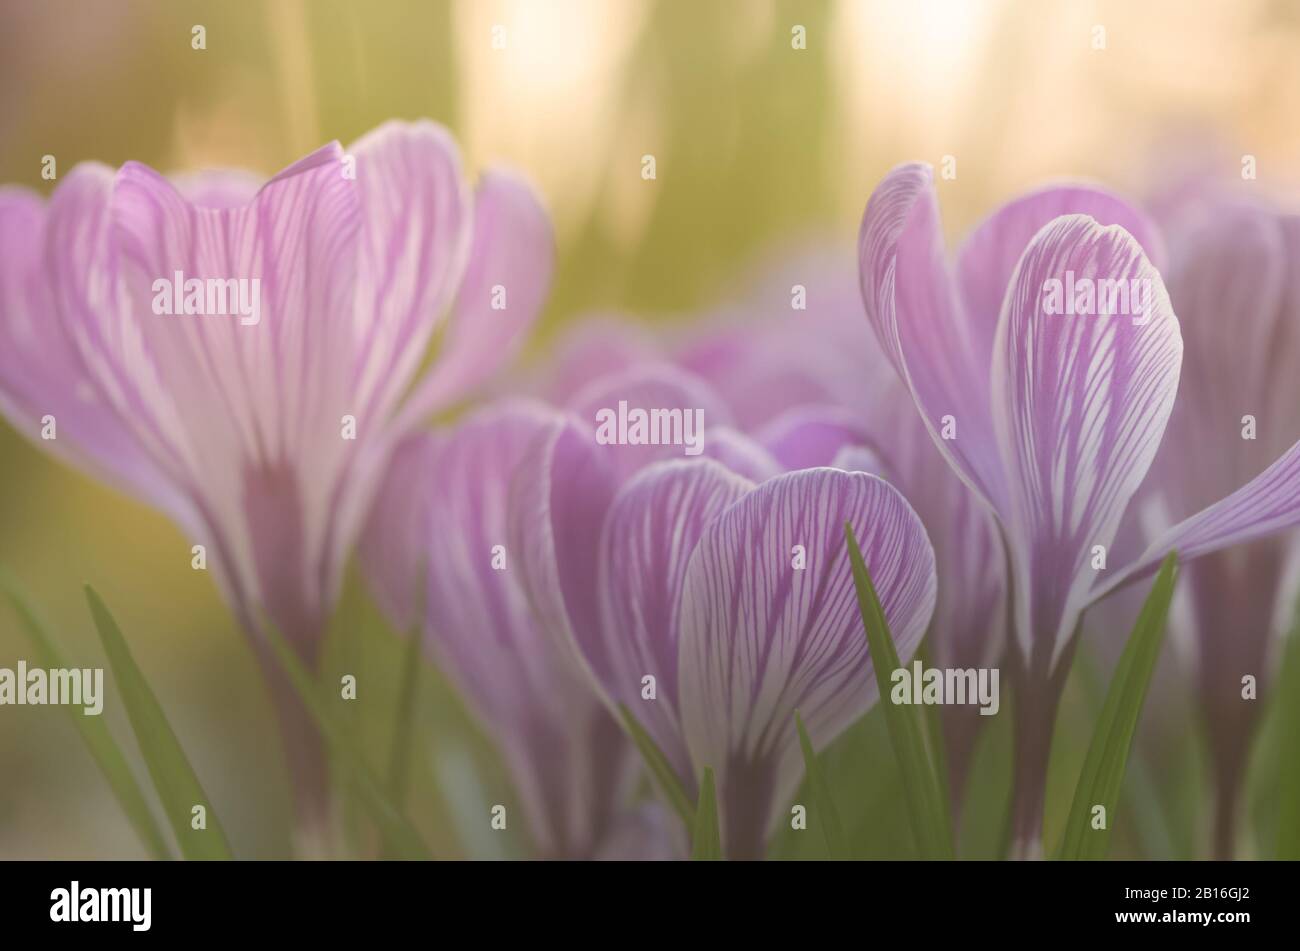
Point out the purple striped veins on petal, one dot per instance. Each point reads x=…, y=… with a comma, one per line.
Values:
x=762, y=637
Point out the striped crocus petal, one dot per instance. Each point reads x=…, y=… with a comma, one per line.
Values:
x=414, y=243
x=1267, y=504
x=46, y=390
x=649, y=534
x=1080, y=405
x=558, y=502
x=238, y=409
x=510, y=266
x=770, y=625
x=913, y=304
x=988, y=257
x=566, y=755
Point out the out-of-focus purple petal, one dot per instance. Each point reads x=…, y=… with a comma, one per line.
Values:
x=659, y=386
x=503, y=291
x=398, y=530
x=913, y=305
x=594, y=347
x=812, y=436
x=989, y=255
x=649, y=535
x=740, y=454
x=1080, y=407
x=1229, y=284
x=559, y=497
x=566, y=754
x=41, y=371
x=860, y=459
x=761, y=638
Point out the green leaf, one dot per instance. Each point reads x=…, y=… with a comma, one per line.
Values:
x=659, y=767
x=1288, y=690
x=1102, y=775
x=706, y=844
x=178, y=787
x=927, y=799
x=827, y=817
x=94, y=732
x=400, y=838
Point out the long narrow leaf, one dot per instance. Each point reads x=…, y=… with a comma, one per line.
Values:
x=178, y=787
x=659, y=767
x=706, y=843
x=94, y=733
x=927, y=799
x=1102, y=775
x=827, y=816
x=400, y=837
x=1288, y=688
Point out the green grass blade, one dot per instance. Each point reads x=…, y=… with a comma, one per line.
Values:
x=1288, y=690
x=659, y=767
x=400, y=838
x=178, y=787
x=827, y=816
x=399, y=760
x=1112, y=738
x=927, y=798
x=706, y=843
x=94, y=733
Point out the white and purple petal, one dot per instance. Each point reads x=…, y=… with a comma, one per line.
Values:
x=770, y=625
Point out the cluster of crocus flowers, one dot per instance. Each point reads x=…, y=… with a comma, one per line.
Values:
x=1053, y=417
x=1232, y=279
x=264, y=430
x=248, y=357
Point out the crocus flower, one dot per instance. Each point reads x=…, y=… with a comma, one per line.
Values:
x=263, y=433
x=1233, y=280
x=1053, y=418
x=438, y=535
x=800, y=371
x=713, y=608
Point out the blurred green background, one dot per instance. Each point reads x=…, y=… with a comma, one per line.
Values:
x=757, y=145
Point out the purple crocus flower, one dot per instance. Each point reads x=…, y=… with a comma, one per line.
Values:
x=811, y=386
x=713, y=608
x=443, y=506
x=262, y=428
x=1233, y=279
x=1052, y=417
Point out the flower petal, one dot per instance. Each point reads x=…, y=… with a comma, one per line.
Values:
x=502, y=293
x=812, y=436
x=41, y=372
x=761, y=638
x=649, y=534
x=913, y=305
x=989, y=255
x=1268, y=503
x=1081, y=407
x=558, y=501
x=565, y=752
x=659, y=386
x=740, y=454
x=414, y=243
x=239, y=415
